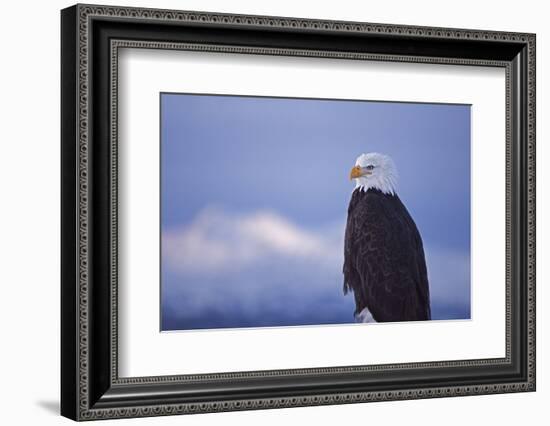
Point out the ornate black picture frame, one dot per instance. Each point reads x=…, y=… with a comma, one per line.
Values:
x=90, y=385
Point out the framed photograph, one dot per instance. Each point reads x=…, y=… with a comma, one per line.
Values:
x=263, y=212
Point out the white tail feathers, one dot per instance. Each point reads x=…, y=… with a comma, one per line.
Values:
x=364, y=316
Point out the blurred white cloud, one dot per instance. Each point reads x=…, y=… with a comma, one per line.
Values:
x=217, y=240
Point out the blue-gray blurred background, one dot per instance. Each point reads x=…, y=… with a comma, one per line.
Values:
x=254, y=196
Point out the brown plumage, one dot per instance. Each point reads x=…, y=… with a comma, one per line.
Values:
x=384, y=264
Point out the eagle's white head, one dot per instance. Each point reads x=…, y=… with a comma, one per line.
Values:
x=374, y=170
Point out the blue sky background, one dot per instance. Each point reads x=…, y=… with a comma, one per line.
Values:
x=254, y=196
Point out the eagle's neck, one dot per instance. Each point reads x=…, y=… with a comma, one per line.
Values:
x=385, y=183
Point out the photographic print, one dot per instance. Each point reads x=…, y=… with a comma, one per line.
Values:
x=300, y=212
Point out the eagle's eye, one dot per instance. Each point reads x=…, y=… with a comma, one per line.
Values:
x=369, y=167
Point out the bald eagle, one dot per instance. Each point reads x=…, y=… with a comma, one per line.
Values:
x=384, y=264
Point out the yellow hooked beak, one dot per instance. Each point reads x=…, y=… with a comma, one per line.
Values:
x=357, y=172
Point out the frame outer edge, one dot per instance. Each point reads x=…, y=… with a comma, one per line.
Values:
x=84, y=193
x=68, y=182
x=531, y=213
